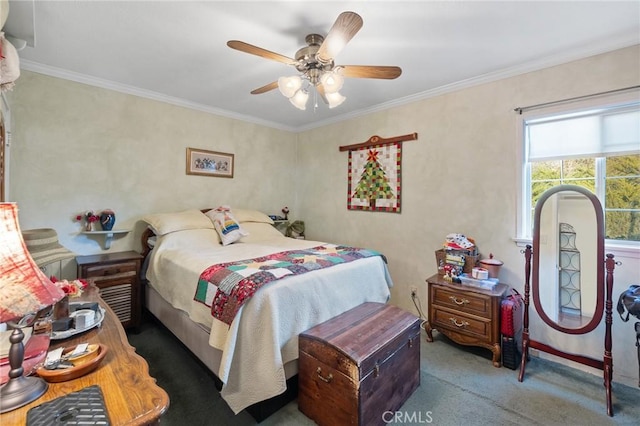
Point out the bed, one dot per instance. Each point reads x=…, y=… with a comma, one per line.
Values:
x=254, y=351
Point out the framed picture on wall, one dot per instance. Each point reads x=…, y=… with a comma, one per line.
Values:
x=209, y=163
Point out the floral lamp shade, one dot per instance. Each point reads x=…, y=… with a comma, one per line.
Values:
x=24, y=288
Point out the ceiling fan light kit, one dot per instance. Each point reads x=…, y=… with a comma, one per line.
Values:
x=334, y=99
x=332, y=81
x=299, y=99
x=315, y=62
x=289, y=85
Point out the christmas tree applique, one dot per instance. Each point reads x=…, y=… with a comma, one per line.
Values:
x=373, y=184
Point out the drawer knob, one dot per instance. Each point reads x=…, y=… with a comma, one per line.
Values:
x=458, y=301
x=321, y=377
x=458, y=324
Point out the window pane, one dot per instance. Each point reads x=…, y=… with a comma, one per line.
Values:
x=589, y=184
x=537, y=188
x=579, y=168
x=622, y=225
x=545, y=170
x=625, y=165
x=623, y=193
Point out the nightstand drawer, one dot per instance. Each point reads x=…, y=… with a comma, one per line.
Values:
x=480, y=328
x=111, y=271
x=468, y=302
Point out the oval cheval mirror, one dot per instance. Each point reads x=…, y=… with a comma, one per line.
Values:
x=568, y=260
x=566, y=267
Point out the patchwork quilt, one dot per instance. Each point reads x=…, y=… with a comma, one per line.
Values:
x=225, y=287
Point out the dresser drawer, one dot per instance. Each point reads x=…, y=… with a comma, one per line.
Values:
x=119, y=269
x=479, y=328
x=467, y=302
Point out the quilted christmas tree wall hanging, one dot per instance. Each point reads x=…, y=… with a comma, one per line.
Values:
x=374, y=175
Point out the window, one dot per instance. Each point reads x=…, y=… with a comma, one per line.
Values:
x=594, y=144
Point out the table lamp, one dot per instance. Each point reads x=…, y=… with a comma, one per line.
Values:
x=24, y=290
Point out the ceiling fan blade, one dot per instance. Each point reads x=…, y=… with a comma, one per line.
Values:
x=258, y=51
x=369, y=71
x=343, y=30
x=265, y=88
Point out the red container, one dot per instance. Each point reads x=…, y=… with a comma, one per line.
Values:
x=511, y=311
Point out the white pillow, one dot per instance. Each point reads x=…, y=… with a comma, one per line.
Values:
x=259, y=231
x=164, y=223
x=226, y=224
x=244, y=215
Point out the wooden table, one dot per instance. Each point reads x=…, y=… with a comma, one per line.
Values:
x=132, y=396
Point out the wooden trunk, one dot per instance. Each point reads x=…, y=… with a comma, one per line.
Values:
x=355, y=367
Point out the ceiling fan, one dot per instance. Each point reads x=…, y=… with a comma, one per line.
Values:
x=315, y=63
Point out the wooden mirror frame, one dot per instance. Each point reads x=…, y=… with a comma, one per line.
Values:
x=604, y=296
x=599, y=309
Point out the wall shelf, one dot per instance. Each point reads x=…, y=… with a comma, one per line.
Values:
x=108, y=235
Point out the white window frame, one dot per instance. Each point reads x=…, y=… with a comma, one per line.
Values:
x=524, y=225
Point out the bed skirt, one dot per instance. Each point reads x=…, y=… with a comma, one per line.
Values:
x=196, y=338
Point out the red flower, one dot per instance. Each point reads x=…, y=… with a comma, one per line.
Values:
x=72, y=288
x=89, y=216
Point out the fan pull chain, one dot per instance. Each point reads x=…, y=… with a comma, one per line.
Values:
x=315, y=99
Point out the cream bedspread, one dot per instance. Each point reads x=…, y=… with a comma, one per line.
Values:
x=264, y=335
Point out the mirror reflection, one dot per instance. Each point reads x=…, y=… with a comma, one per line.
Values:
x=568, y=259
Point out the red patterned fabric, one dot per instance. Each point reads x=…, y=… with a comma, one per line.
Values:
x=24, y=288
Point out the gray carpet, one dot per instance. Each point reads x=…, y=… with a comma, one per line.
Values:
x=458, y=385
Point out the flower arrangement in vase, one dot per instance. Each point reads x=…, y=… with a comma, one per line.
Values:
x=89, y=218
x=71, y=289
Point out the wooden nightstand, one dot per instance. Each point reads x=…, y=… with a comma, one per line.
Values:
x=117, y=276
x=467, y=315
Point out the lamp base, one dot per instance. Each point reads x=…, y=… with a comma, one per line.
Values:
x=21, y=391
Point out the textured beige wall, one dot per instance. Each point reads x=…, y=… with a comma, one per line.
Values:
x=459, y=176
x=77, y=147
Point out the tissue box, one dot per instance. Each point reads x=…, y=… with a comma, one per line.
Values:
x=84, y=318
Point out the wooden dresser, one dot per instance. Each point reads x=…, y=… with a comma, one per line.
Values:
x=467, y=315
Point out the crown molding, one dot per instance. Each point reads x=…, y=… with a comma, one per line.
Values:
x=546, y=62
x=148, y=94
x=542, y=63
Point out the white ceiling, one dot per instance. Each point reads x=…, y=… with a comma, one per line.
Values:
x=176, y=51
